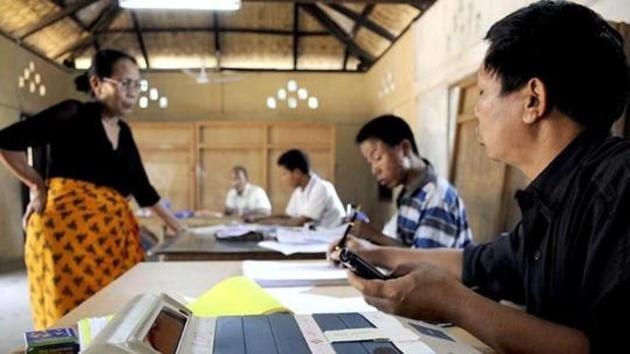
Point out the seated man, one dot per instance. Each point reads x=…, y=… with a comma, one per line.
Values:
x=314, y=200
x=245, y=199
x=430, y=213
x=552, y=82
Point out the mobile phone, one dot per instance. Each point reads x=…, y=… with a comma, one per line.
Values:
x=360, y=266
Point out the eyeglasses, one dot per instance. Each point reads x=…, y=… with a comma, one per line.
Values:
x=127, y=84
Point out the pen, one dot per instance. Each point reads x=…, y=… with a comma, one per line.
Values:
x=342, y=241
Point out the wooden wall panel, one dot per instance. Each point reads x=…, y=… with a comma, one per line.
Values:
x=215, y=168
x=163, y=135
x=229, y=135
x=170, y=173
x=190, y=163
x=487, y=187
x=286, y=136
x=479, y=181
x=167, y=151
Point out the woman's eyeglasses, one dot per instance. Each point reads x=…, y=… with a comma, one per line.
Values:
x=127, y=84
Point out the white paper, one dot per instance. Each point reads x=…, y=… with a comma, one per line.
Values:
x=313, y=335
x=392, y=327
x=270, y=273
x=205, y=230
x=288, y=250
x=302, y=236
x=235, y=230
x=355, y=335
x=417, y=347
x=223, y=231
x=300, y=301
x=90, y=327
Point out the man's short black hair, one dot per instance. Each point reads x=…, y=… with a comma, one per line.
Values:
x=294, y=159
x=577, y=55
x=241, y=169
x=390, y=129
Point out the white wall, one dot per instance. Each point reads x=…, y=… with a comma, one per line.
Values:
x=449, y=47
x=13, y=101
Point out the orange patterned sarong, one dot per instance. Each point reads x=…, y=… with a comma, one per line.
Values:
x=86, y=237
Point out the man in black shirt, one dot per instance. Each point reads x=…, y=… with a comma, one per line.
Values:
x=553, y=81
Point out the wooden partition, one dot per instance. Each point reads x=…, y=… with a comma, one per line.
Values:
x=486, y=186
x=190, y=163
x=168, y=154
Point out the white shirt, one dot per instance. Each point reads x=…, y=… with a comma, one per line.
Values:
x=252, y=198
x=318, y=201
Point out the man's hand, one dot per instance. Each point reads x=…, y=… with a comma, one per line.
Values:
x=356, y=245
x=36, y=205
x=419, y=291
x=363, y=230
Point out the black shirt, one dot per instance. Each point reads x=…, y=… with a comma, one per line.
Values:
x=568, y=260
x=80, y=149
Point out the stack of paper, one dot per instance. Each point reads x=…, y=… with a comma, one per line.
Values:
x=235, y=296
x=306, y=301
x=300, y=236
x=289, y=249
x=271, y=274
x=232, y=230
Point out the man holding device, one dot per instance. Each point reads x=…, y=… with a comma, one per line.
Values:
x=430, y=212
x=553, y=81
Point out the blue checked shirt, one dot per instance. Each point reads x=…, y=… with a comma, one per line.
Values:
x=431, y=214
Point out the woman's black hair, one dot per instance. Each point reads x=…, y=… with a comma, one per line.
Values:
x=102, y=66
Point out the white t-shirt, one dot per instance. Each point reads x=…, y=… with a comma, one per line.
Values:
x=318, y=201
x=253, y=198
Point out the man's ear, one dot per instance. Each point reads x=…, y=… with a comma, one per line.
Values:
x=536, y=100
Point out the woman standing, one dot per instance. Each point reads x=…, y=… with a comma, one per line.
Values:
x=80, y=231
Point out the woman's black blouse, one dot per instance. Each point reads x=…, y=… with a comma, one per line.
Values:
x=79, y=148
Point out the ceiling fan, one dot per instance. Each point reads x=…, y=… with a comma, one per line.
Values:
x=212, y=75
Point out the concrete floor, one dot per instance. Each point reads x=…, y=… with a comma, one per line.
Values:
x=15, y=313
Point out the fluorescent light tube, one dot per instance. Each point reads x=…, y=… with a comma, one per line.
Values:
x=223, y=5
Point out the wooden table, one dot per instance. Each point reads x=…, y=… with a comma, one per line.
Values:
x=157, y=226
x=188, y=279
x=192, y=247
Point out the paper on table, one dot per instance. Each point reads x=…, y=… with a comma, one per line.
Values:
x=90, y=327
x=270, y=273
x=288, y=250
x=300, y=301
x=305, y=236
x=206, y=230
x=223, y=231
x=355, y=335
x=235, y=296
x=235, y=230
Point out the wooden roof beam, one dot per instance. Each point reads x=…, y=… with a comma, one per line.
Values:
x=217, y=38
x=138, y=30
x=367, y=10
x=421, y=5
x=52, y=18
x=104, y=19
x=73, y=16
x=367, y=23
x=296, y=35
x=338, y=32
x=376, y=2
x=268, y=31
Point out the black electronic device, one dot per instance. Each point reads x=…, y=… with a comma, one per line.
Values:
x=360, y=266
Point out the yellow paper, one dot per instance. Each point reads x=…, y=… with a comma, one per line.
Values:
x=235, y=296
